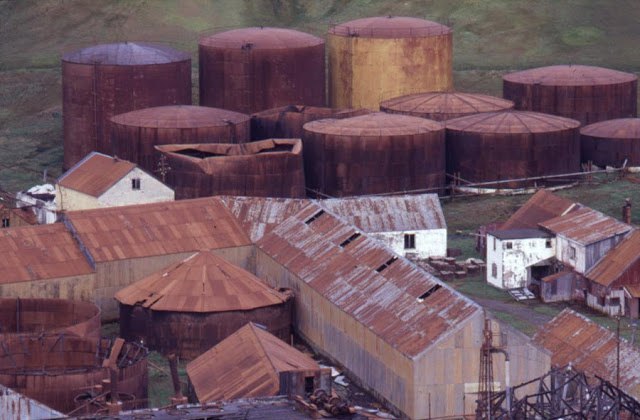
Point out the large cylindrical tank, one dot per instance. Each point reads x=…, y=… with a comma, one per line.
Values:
x=134, y=134
x=611, y=143
x=286, y=122
x=374, y=153
x=441, y=106
x=584, y=93
x=510, y=145
x=266, y=168
x=105, y=80
x=373, y=59
x=253, y=69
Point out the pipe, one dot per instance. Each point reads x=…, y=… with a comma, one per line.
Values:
x=173, y=367
x=114, y=385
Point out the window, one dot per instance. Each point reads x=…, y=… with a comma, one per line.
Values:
x=429, y=292
x=409, y=241
x=5, y=222
x=572, y=252
x=548, y=243
x=349, y=240
x=308, y=385
x=135, y=183
x=314, y=217
x=494, y=270
x=614, y=301
x=386, y=264
x=509, y=245
x=494, y=243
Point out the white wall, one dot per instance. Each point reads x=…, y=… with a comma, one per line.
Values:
x=151, y=191
x=512, y=264
x=607, y=308
x=429, y=243
x=563, y=253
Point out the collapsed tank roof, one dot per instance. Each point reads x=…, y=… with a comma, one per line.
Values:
x=570, y=75
x=264, y=38
x=389, y=27
x=126, y=54
x=620, y=128
x=180, y=116
x=511, y=122
x=374, y=125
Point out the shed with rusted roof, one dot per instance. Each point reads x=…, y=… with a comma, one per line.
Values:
x=195, y=303
x=254, y=363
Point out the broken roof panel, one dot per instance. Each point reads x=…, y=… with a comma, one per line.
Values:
x=543, y=205
x=367, y=280
x=95, y=174
x=617, y=261
x=586, y=226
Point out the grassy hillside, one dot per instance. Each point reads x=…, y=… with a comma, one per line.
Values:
x=490, y=37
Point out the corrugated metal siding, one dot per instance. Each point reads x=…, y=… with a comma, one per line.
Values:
x=621, y=266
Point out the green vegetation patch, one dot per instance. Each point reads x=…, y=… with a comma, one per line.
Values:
x=581, y=36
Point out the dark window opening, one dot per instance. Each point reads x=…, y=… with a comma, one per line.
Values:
x=278, y=148
x=509, y=245
x=200, y=154
x=135, y=183
x=314, y=217
x=494, y=270
x=308, y=385
x=429, y=292
x=548, y=243
x=409, y=241
x=614, y=301
x=494, y=244
x=350, y=239
x=6, y=222
x=386, y=264
x=572, y=253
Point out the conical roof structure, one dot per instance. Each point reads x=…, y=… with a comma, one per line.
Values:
x=202, y=283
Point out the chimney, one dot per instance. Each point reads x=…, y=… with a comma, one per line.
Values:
x=626, y=211
x=177, y=398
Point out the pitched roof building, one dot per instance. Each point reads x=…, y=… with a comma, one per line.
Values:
x=542, y=206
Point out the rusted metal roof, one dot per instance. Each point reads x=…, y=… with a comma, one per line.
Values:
x=126, y=54
x=375, y=125
x=263, y=38
x=386, y=299
x=201, y=283
x=542, y=206
x=570, y=75
x=145, y=230
x=511, y=122
x=520, y=233
x=390, y=213
x=180, y=116
x=633, y=290
x=25, y=214
x=574, y=339
x=389, y=27
x=617, y=261
x=586, y=226
x=444, y=105
x=620, y=128
x=95, y=174
x=245, y=364
x=40, y=252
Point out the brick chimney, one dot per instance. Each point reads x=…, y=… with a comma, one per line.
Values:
x=626, y=211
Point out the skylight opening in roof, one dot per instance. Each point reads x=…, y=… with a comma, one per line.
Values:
x=429, y=292
x=349, y=240
x=314, y=217
x=386, y=264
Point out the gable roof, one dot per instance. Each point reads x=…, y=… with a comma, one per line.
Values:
x=40, y=252
x=145, y=230
x=367, y=281
x=543, y=205
x=614, y=264
x=586, y=226
x=390, y=213
x=202, y=282
x=245, y=364
x=574, y=339
x=95, y=174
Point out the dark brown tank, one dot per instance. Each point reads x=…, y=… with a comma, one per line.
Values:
x=105, y=80
x=441, y=106
x=373, y=154
x=585, y=93
x=252, y=69
x=134, y=134
x=510, y=145
x=266, y=168
x=611, y=143
x=287, y=121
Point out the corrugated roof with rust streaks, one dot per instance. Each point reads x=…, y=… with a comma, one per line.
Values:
x=586, y=226
x=390, y=213
x=542, y=206
x=616, y=261
x=146, y=230
x=245, y=364
x=202, y=282
x=40, y=252
x=95, y=174
x=633, y=290
x=386, y=302
x=574, y=339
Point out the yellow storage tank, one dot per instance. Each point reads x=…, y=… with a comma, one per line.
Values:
x=374, y=59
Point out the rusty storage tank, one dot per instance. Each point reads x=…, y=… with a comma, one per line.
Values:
x=287, y=121
x=373, y=154
x=266, y=168
x=134, y=134
x=253, y=69
x=585, y=93
x=611, y=143
x=24, y=317
x=55, y=368
x=511, y=145
x=441, y=106
x=194, y=304
x=101, y=81
x=373, y=59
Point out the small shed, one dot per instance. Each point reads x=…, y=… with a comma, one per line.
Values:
x=194, y=304
x=254, y=363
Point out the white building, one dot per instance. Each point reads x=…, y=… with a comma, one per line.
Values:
x=99, y=180
x=41, y=199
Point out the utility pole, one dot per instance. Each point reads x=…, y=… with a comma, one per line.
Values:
x=618, y=351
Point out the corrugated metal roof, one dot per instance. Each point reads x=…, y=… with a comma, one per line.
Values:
x=40, y=252
x=95, y=174
x=374, y=125
x=511, y=122
x=633, y=290
x=520, y=233
x=262, y=38
x=386, y=301
x=390, y=213
x=180, y=116
x=446, y=103
x=202, y=282
x=574, y=339
x=389, y=27
x=146, y=230
x=126, y=54
x=616, y=261
x=245, y=364
x=586, y=226
x=620, y=128
x=570, y=75
x=542, y=206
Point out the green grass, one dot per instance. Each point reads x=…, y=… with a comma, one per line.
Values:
x=160, y=385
